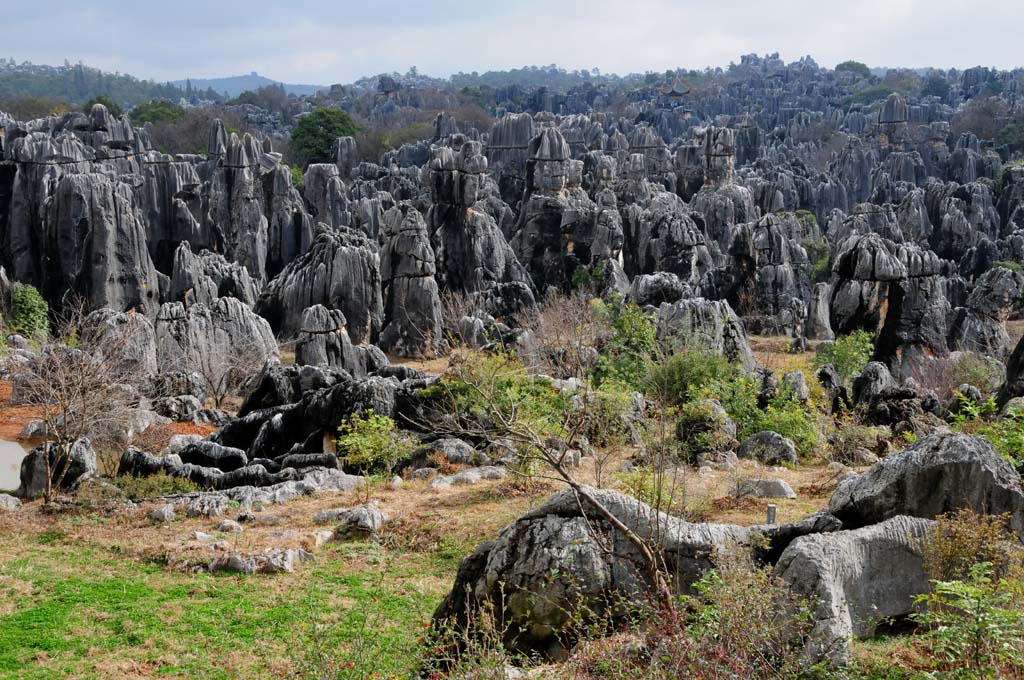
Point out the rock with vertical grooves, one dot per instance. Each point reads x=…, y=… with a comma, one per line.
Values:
x=413, y=324
x=340, y=271
x=854, y=580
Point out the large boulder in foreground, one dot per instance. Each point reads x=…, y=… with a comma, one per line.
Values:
x=65, y=471
x=941, y=473
x=556, y=558
x=856, y=579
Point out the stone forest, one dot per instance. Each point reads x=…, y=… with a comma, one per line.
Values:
x=699, y=374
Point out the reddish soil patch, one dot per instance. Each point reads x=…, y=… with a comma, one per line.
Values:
x=159, y=436
x=13, y=418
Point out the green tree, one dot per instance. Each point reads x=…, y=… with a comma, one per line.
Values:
x=854, y=67
x=115, y=110
x=935, y=86
x=315, y=133
x=157, y=111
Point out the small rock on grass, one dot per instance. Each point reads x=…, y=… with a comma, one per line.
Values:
x=165, y=513
x=229, y=526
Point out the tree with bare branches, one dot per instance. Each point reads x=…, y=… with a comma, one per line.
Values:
x=82, y=386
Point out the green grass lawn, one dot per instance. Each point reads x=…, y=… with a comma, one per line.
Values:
x=85, y=611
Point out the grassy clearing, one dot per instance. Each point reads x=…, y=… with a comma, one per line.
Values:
x=89, y=596
x=96, y=596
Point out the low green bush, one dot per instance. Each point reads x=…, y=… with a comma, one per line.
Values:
x=974, y=629
x=1007, y=436
x=30, y=312
x=372, y=443
x=849, y=354
x=476, y=388
x=675, y=380
x=783, y=414
x=154, y=486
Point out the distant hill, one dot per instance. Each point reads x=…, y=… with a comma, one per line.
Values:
x=236, y=85
x=77, y=83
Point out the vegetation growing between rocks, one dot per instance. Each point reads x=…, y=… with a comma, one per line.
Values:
x=30, y=313
x=315, y=133
x=372, y=444
x=848, y=354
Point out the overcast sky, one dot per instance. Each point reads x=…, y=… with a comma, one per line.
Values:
x=301, y=41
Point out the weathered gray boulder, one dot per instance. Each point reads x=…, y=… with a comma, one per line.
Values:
x=472, y=255
x=208, y=276
x=980, y=326
x=874, y=381
x=549, y=563
x=654, y=289
x=661, y=235
x=763, y=488
x=770, y=448
x=863, y=270
x=164, y=513
x=180, y=409
x=362, y=521
x=95, y=246
x=711, y=324
x=854, y=580
x=8, y=502
x=771, y=272
x=139, y=463
x=323, y=341
x=209, y=454
x=210, y=339
x=236, y=205
x=65, y=471
x=941, y=473
x=125, y=340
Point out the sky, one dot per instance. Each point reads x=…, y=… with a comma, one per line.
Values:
x=301, y=41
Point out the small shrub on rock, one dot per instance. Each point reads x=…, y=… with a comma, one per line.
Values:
x=372, y=443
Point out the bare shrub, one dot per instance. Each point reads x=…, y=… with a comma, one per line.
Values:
x=565, y=333
x=226, y=368
x=743, y=623
x=964, y=538
x=82, y=387
x=944, y=374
